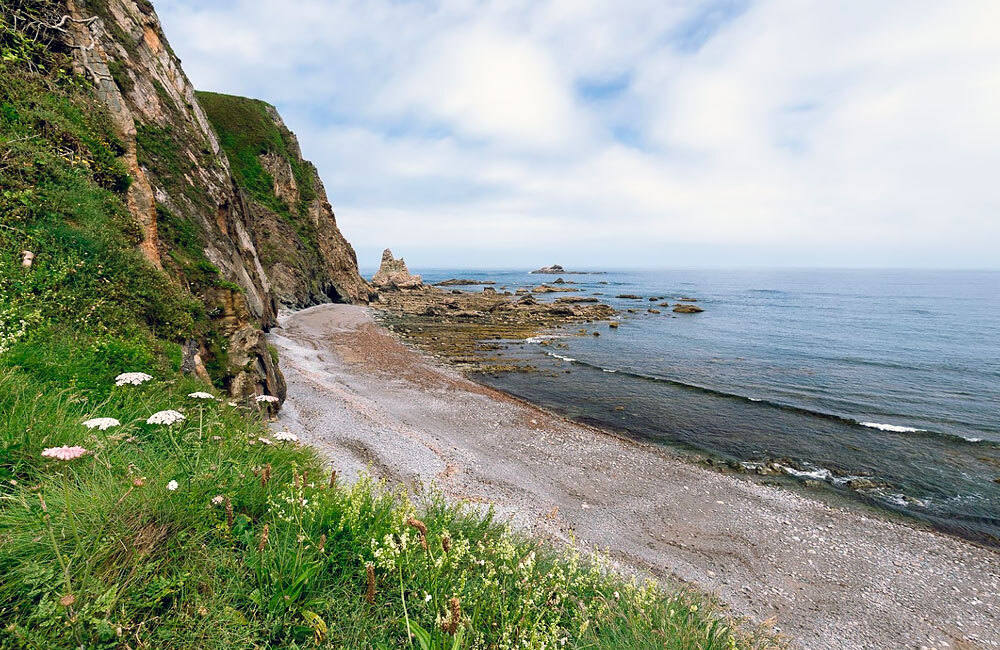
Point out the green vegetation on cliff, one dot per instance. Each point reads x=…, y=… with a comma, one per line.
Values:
x=246, y=132
x=210, y=531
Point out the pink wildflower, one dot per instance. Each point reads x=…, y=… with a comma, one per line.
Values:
x=65, y=453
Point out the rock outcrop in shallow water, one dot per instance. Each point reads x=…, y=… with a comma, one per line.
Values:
x=465, y=326
x=393, y=275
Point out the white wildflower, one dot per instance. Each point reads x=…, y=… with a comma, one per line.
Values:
x=101, y=423
x=132, y=378
x=172, y=485
x=427, y=597
x=286, y=436
x=165, y=417
x=218, y=500
x=270, y=399
x=266, y=441
x=201, y=395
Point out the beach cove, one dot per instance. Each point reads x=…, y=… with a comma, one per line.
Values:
x=827, y=577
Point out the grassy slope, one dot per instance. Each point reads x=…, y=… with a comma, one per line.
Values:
x=98, y=552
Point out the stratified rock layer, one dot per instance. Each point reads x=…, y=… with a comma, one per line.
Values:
x=201, y=221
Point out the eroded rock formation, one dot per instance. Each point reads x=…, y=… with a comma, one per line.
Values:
x=393, y=275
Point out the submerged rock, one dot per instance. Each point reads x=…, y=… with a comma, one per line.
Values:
x=687, y=309
x=546, y=288
x=464, y=282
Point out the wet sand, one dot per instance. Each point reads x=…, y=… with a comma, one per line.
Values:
x=828, y=577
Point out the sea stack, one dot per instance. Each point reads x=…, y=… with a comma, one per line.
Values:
x=393, y=275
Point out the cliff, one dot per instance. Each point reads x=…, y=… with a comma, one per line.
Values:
x=304, y=254
x=223, y=202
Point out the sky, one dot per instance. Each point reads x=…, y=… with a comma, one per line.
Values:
x=660, y=133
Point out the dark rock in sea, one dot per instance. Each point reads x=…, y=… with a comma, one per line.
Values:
x=547, y=288
x=688, y=299
x=687, y=309
x=863, y=484
x=576, y=299
x=629, y=296
x=489, y=290
x=613, y=325
x=454, y=282
x=556, y=269
x=559, y=281
x=664, y=304
x=654, y=311
x=597, y=333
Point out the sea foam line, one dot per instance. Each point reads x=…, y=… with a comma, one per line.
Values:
x=890, y=427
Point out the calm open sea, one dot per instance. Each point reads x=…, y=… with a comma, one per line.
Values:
x=892, y=376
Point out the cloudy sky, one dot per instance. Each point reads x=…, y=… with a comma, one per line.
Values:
x=667, y=133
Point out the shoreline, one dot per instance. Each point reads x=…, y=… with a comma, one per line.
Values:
x=715, y=462
x=364, y=399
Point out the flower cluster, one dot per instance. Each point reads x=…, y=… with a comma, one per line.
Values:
x=65, y=453
x=201, y=395
x=286, y=436
x=132, y=378
x=101, y=423
x=167, y=417
x=269, y=399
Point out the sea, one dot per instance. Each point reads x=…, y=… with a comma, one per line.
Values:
x=880, y=385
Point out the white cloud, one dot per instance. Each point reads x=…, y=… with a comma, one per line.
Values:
x=787, y=132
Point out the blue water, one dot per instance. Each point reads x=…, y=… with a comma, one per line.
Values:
x=890, y=375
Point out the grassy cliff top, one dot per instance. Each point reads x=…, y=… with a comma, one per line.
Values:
x=246, y=131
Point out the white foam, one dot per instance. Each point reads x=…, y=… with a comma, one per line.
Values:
x=608, y=370
x=819, y=473
x=542, y=337
x=897, y=499
x=559, y=356
x=889, y=427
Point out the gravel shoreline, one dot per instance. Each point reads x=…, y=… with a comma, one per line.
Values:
x=827, y=577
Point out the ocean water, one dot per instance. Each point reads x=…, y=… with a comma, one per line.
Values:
x=881, y=384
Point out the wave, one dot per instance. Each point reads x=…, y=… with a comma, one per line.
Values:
x=888, y=428
x=895, y=428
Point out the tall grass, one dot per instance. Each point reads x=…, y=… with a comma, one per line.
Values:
x=257, y=548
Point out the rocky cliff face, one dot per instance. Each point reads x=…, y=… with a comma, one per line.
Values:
x=243, y=243
x=304, y=254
